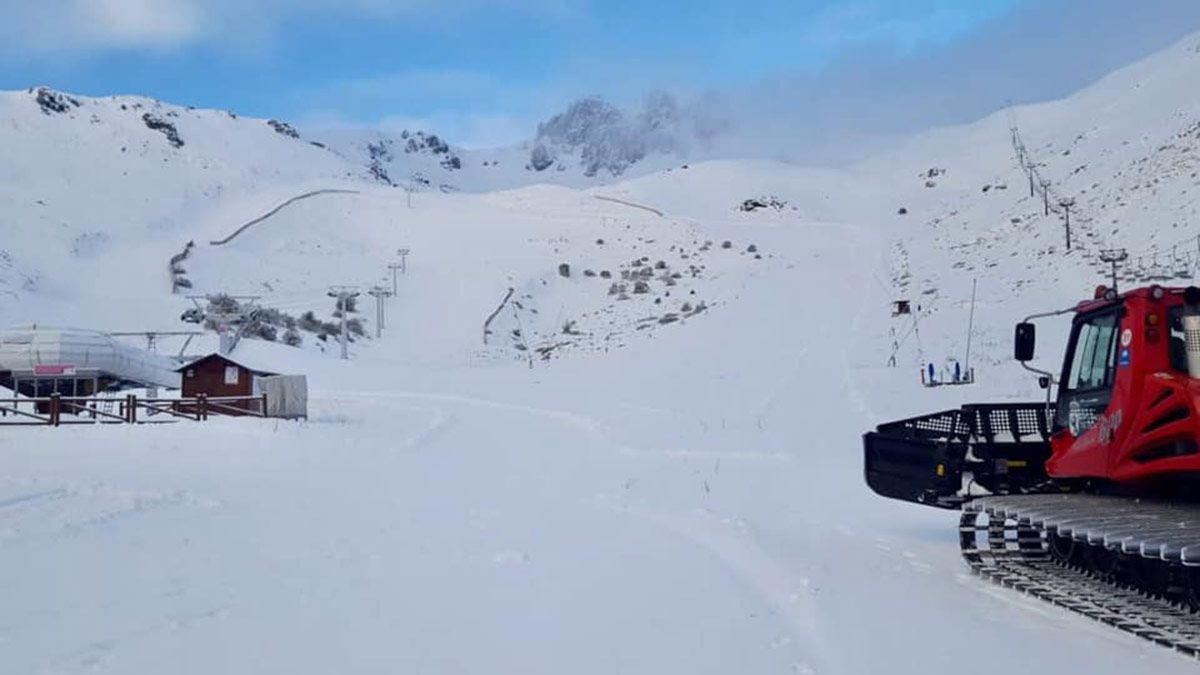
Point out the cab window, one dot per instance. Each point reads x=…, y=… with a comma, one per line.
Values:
x=1092, y=370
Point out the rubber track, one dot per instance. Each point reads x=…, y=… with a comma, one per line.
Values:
x=1014, y=555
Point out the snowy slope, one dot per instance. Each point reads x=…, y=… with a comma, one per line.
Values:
x=97, y=201
x=611, y=483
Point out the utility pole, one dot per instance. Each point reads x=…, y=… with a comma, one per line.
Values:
x=1067, y=205
x=383, y=318
x=1046, y=195
x=1114, y=257
x=403, y=253
x=970, y=329
x=344, y=295
x=1032, y=171
x=379, y=293
x=395, y=267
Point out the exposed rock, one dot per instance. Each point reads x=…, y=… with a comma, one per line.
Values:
x=53, y=102
x=760, y=203
x=164, y=127
x=541, y=158
x=283, y=129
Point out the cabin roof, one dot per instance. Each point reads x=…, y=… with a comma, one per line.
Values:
x=225, y=359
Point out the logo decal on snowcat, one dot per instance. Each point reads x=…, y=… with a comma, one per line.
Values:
x=1109, y=425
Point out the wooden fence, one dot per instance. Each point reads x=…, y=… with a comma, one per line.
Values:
x=57, y=410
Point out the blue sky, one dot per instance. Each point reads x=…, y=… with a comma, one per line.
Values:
x=485, y=71
x=485, y=67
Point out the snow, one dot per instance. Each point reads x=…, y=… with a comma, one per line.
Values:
x=681, y=496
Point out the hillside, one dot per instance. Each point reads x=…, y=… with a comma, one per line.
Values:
x=611, y=426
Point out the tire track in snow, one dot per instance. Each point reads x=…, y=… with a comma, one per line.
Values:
x=785, y=593
x=37, y=496
x=852, y=386
x=770, y=579
x=441, y=419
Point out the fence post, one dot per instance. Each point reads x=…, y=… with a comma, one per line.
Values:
x=264, y=405
x=131, y=408
x=55, y=409
x=202, y=407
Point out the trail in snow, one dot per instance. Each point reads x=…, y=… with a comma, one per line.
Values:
x=277, y=209
x=634, y=205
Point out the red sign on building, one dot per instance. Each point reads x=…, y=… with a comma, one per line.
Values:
x=56, y=369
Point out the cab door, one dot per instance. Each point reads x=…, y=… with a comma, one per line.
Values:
x=1085, y=394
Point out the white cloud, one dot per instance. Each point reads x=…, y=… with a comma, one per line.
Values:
x=63, y=26
x=148, y=22
x=54, y=27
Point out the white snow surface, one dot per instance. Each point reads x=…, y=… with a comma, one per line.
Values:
x=653, y=497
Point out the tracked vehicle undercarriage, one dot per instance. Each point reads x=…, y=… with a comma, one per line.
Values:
x=1092, y=502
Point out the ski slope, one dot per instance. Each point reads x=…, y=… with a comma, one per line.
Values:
x=692, y=503
x=618, y=481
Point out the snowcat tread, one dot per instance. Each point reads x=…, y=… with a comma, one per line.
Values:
x=1004, y=540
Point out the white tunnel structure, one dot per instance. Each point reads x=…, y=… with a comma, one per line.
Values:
x=39, y=361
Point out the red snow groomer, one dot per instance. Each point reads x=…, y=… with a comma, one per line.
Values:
x=1090, y=501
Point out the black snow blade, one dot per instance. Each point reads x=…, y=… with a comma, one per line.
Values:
x=915, y=470
x=1002, y=448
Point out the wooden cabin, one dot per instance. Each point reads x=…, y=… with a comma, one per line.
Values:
x=270, y=394
x=217, y=375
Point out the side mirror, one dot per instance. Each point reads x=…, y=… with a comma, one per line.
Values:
x=1026, y=341
x=1044, y=382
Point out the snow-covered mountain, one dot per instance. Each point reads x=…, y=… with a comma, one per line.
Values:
x=598, y=138
x=591, y=142
x=954, y=203
x=612, y=425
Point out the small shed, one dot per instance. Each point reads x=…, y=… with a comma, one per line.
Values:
x=218, y=375
x=901, y=308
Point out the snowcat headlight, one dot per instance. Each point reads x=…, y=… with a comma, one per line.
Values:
x=1158, y=292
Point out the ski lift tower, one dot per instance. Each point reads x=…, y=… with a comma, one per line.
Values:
x=1114, y=257
x=229, y=322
